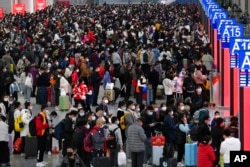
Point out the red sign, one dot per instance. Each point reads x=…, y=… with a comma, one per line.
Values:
x=18, y=8
x=63, y=3
x=1, y=13
x=40, y=4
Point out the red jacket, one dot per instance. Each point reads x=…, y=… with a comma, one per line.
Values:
x=206, y=155
x=74, y=78
x=40, y=125
x=79, y=91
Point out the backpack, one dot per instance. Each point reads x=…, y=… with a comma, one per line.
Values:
x=193, y=133
x=112, y=144
x=122, y=121
x=32, y=127
x=200, y=115
x=145, y=57
x=88, y=143
x=18, y=124
x=59, y=130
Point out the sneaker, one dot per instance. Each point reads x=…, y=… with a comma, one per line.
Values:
x=45, y=163
x=180, y=164
x=129, y=160
x=22, y=154
x=39, y=164
x=49, y=153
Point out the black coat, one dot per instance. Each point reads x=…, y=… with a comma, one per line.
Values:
x=202, y=130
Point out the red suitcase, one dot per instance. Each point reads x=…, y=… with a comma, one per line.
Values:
x=72, y=61
x=49, y=94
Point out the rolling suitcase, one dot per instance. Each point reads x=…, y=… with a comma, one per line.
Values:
x=30, y=148
x=63, y=102
x=48, y=94
x=191, y=154
x=158, y=143
x=168, y=162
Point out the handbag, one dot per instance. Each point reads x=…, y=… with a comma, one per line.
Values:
x=17, y=145
x=109, y=86
x=122, y=159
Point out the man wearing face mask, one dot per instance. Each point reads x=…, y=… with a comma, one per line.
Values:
x=117, y=131
x=104, y=105
x=199, y=98
x=148, y=126
x=169, y=126
x=69, y=124
x=81, y=115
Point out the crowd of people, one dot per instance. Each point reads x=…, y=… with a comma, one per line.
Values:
x=75, y=51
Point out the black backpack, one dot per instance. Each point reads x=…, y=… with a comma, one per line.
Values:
x=32, y=127
x=193, y=133
x=112, y=144
x=145, y=57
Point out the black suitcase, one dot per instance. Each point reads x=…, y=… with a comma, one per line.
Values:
x=30, y=148
x=168, y=162
x=101, y=162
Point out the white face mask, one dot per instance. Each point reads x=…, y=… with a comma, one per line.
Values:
x=81, y=114
x=30, y=107
x=133, y=107
x=150, y=113
x=106, y=101
x=138, y=109
x=77, y=70
x=6, y=99
x=124, y=108
x=104, y=113
x=93, y=118
x=74, y=119
x=171, y=112
x=102, y=126
x=182, y=107
x=199, y=90
x=164, y=108
x=117, y=122
x=87, y=126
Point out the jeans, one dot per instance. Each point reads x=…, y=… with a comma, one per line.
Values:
x=137, y=159
x=226, y=164
x=148, y=150
x=5, y=152
x=113, y=157
x=27, y=93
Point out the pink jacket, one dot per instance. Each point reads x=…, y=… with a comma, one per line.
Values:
x=199, y=78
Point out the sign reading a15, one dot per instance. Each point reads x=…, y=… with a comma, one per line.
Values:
x=228, y=31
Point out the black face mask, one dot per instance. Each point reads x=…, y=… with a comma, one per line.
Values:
x=69, y=154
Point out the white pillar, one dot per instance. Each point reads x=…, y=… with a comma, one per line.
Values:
x=29, y=5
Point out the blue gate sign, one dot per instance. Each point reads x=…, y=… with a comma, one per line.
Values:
x=237, y=45
x=220, y=22
x=228, y=31
x=244, y=65
x=210, y=6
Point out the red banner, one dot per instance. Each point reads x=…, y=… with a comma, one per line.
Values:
x=18, y=8
x=1, y=13
x=40, y=4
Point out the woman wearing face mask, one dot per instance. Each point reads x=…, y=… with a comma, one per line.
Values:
x=199, y=98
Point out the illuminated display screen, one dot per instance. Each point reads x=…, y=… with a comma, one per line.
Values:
x=244, y=78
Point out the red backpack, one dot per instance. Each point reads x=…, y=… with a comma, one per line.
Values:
x=88, y=143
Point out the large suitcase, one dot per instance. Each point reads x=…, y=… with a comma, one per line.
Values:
x=168, y=162
x=30, y=148
x=48, y=94
x=110, y=94
x=158, y=143
x=41, y=96
x=101, y=162
x=191, y=154
x=63, y=102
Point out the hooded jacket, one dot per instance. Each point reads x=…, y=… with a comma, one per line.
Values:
x=206, y=155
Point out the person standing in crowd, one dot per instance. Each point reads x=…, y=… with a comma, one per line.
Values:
x=203, y=128
x=118, y=137
x=136, y=138
x=149, y=122
x=120, y=112
x=229, y=144
x=169, y=129
x=17, y=113
x=141, y=84
x=217, y=137
x=216, y=115
x=96, y=82
x=153, y=79
x=206, y=155
x=27, y=83
x=64, y=85
x=34, y=72
x=42, y=127
x=168, y=87
x=104, y=106
x=26, y=118
x=181, y=136
x=69, y=125
x=14, y=89
x=4, y=139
